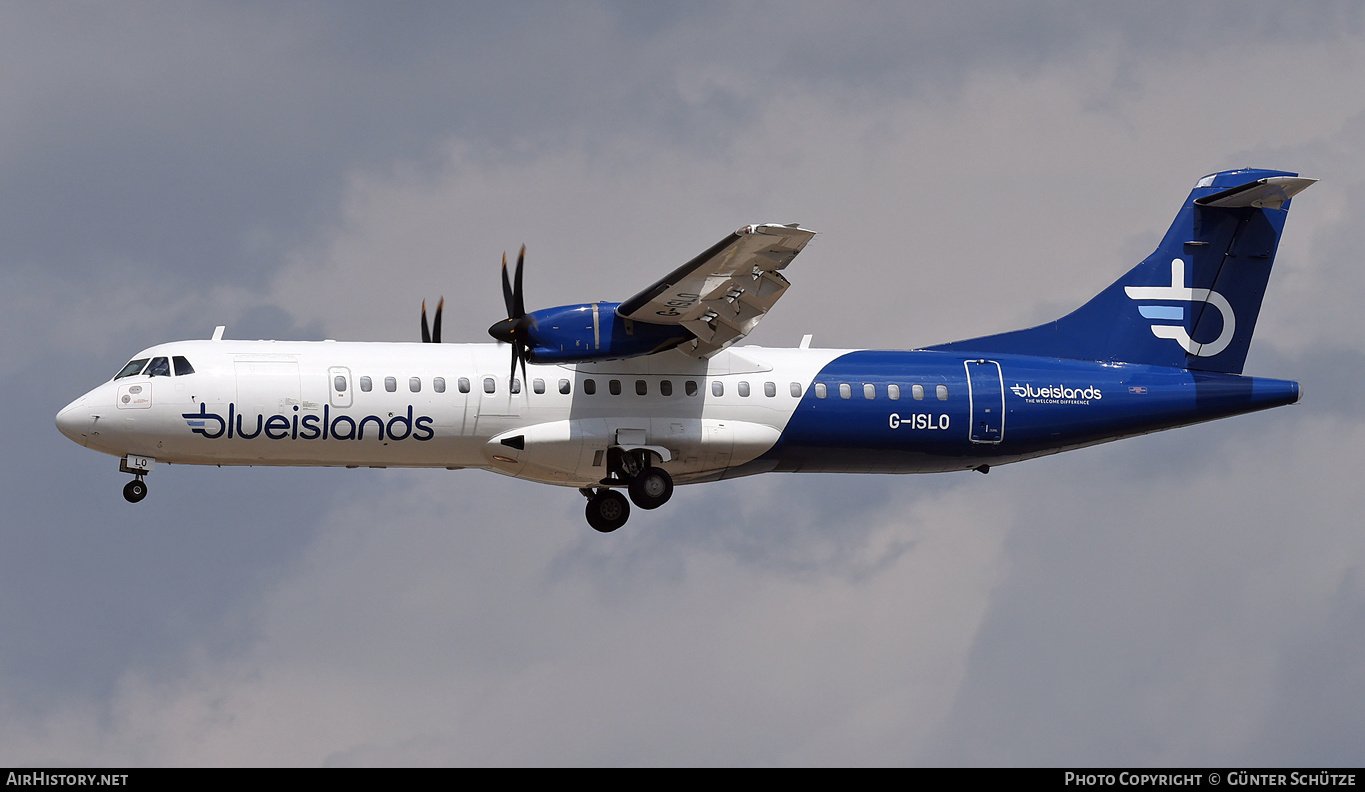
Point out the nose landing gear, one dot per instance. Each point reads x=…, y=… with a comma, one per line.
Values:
x=135, y=490
x=139, y=466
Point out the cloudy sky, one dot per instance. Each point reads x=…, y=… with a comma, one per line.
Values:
x=317, y=170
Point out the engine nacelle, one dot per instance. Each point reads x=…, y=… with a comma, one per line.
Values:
x=593, y=331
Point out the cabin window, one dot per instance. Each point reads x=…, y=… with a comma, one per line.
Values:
x=869, y=390
x=917, y=392
x=717, y=388
x=415, y=384
x=182, y=366
x=438, y=384
x=820, y=391
x=390, y=384
x=134, y=367
x=690, y=387
x=590, y=386
x=770, y=389
x=564, y=387
x=893, y=391
x=796, y=390
x=666, y=388
x=845, y=392
x=338, y=383
x=744, y=389
x=159, y=367
x=641, y=388
x=515, y=385
x=614, y=386
x=538, y=385
x=463, y=384
x=490, y=385
x=366, y=384
x=942, y=392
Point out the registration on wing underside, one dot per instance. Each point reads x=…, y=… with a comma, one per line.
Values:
x=721, y=295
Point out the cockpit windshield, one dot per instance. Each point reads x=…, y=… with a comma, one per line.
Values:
x=133, y=368
x=159, y=367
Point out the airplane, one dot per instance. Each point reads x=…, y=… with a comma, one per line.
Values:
x=654, y=391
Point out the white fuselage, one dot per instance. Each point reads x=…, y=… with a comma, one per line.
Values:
x=445, y=405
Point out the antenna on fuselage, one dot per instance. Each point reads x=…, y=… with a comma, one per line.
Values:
x=218, y=332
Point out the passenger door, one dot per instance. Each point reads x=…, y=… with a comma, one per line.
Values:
x=986, y=399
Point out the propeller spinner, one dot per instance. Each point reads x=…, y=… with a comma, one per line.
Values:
x=515, y=329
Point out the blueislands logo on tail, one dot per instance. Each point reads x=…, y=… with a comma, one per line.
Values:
x=1179, y=292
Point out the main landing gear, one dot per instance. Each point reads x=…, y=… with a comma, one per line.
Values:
x=649, y=486
x=607, y=509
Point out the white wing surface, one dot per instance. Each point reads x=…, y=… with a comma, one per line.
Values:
x=721, y=295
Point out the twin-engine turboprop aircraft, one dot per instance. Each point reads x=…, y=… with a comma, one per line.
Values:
x=640, y=395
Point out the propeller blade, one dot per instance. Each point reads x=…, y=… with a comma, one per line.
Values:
x=507, y=290
x=519, y=304
x=515, y=329
x=436, y=323
x=426, y=335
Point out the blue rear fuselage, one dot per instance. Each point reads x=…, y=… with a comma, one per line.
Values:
x=954, y=412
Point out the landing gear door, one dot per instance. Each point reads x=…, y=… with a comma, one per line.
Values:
x=986, y=394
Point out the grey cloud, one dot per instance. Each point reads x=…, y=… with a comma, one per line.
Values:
x=1187, y=597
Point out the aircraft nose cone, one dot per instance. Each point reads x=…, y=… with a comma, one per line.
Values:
x=74, y=421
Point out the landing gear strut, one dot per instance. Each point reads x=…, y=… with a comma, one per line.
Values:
x=135, y=490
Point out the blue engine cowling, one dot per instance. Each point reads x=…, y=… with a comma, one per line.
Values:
x=593, y=331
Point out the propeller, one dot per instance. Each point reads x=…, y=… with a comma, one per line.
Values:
x=515, y=329
x=434, y=335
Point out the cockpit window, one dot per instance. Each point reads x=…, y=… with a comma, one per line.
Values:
x=133, y=368
x=159, y=367
x=182, y=366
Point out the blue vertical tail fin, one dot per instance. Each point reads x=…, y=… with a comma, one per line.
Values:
x=1193, y=303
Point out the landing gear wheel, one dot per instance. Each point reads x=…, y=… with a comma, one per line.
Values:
x=134, y=490
x=607, y=511
x=652, y=488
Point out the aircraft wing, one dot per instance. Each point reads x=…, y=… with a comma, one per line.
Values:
x=721, y=295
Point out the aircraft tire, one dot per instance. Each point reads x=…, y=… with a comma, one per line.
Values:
x=607, y=511
x=134, y=491
x=652, y=488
